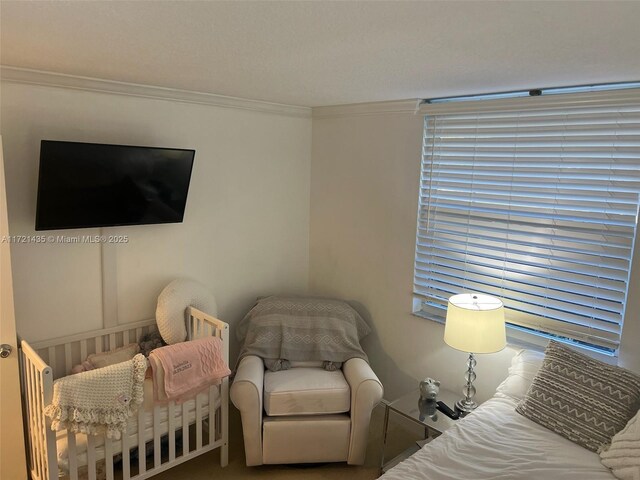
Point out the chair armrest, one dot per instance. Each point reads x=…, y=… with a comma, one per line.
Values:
x=366, y=393
x=246, y=395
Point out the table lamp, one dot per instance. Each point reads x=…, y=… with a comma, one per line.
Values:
x=475, y=324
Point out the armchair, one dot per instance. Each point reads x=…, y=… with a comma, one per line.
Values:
x=314, y=402
x=309, y=415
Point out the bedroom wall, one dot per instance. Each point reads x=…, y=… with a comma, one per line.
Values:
x=364, y=194
x=245, y=231
x=364, y=199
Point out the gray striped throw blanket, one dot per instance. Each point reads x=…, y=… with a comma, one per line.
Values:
x=302, y=329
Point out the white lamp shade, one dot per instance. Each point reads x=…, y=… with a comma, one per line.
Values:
x=475, y=323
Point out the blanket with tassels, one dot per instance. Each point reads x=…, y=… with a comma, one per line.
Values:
x=98, y=401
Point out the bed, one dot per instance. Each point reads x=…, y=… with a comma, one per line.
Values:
x=497, y=443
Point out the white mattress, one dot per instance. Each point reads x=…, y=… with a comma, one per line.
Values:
x=132, y=429
x=496, y=443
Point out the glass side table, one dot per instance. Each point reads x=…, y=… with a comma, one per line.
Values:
x=423, y=414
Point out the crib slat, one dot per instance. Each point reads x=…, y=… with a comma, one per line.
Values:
x=43, y=424
x=68, y=362
x=98, y=342
x=49, y=436
x=125, y=337
x=224, y=412
x=108, y=457
x=52, y=361
x=112, y=341
x=212, y=414
x=91, y=456
x=83, y=350
x=35, y=444
x=185, y=430
x=37, y=406
x=172, y=431
x=138, y=334
x=198, y=422
x=71, y=455
x=198, y=328
x=125, y=454
x=26, y=369
x=24, y=361
x=142, y=451
x=156, y=437
x=41, y=457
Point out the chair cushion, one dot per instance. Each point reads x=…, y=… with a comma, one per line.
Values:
x=307, y=439
x=305, y=391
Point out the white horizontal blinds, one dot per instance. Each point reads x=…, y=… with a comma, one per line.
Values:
x=538, y=207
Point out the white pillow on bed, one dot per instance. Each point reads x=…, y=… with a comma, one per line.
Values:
x=524, y=367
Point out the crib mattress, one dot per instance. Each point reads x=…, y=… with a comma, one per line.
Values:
x=132, y=430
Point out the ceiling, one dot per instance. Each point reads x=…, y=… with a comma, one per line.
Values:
x=328, y=53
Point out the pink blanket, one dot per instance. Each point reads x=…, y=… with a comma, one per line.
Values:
x=184, y=369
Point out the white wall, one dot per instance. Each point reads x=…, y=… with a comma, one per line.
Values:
x=364, y=194
x=245, y=231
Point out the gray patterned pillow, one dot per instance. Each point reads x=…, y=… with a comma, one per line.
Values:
x=580, y=398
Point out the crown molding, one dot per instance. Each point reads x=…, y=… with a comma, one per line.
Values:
x=74, y=82
x=372, y=108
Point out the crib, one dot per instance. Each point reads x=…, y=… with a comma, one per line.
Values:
x=174, y=433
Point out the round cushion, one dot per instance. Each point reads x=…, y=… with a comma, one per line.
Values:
x=171, y=314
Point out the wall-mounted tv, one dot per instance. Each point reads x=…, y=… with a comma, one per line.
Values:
x=84, y=185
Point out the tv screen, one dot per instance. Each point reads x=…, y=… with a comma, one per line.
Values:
x=85, y=185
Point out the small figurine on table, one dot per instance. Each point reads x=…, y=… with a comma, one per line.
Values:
x=429, y=389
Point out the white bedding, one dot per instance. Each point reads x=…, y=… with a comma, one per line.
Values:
x=496, y=443
x=132, y=429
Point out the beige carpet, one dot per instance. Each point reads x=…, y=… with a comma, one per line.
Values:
x=207, y=466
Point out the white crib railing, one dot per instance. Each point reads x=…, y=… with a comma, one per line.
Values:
x=37, y=386
x=211, y=426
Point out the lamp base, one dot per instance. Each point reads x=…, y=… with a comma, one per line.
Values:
x=465, y=405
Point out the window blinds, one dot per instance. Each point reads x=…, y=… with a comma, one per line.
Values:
x=538, y=207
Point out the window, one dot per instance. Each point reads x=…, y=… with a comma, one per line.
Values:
x=534, y=201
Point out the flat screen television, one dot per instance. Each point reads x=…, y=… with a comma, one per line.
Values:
x=82, y=185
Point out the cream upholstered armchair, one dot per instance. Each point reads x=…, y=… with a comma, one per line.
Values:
x=312, y=411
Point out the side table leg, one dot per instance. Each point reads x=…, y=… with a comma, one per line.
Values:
x=385, y=427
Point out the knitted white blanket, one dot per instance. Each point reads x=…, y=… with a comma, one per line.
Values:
x=623, y=455
x=98, y=401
